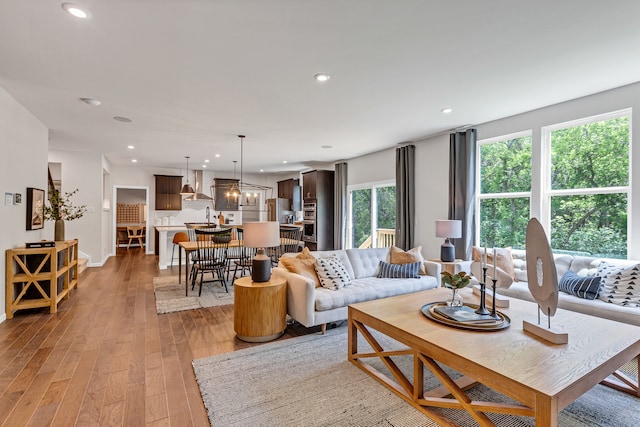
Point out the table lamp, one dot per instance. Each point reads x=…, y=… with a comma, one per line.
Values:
x=261, y=235
x=449, y=229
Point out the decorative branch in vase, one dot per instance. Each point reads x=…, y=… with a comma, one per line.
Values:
x=60, y=209
x=455, y=282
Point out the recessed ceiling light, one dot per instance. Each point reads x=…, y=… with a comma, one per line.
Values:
x=217, y=155
x=261, y=170
x=130, y=147
x=122, y=119
x=76, y=10
x=134, y=160
x=204, y=166
x=446, y=110
x=206, y=160
x=284, y=161
x=91, y=101
x=322, y=77
x=327, y=146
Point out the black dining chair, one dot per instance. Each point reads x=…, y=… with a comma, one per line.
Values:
x=211, y=256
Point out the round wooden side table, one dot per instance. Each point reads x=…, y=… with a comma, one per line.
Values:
x=260, y=309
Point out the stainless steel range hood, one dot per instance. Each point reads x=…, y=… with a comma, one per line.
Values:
x=199, y=185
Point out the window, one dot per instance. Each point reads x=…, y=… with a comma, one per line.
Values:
x=371, y=207
x=581, y=194
x=588, y=185
x=504, y=190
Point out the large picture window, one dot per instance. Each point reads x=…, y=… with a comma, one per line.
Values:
x=372, y=216
x=588, y=185
x=504, y=190
x=582, y=193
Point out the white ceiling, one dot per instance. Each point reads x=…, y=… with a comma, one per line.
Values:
x=192, y=74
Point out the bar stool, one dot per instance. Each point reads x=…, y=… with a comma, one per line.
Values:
x=177, y=238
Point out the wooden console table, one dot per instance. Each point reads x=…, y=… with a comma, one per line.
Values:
x=40, y=277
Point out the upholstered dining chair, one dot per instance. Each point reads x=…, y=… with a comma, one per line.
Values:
x=136, y=232
x=211, y=256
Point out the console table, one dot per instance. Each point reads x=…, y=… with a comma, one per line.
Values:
x=40, y=277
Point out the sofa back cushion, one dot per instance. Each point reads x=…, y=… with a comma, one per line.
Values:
x=342, y=256
x=365, y=261
x=563, y=263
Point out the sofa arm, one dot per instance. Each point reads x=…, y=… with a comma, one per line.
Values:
x=300, y=296
x=433, y=269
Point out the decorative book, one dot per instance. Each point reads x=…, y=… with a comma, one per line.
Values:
x=464, y=314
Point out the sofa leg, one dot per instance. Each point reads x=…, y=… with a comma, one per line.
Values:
x=323, y=327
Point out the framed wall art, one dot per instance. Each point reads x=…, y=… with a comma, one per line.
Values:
x=35, y=208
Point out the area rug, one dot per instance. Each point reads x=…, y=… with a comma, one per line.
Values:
x=307, y=381
x=170, y=295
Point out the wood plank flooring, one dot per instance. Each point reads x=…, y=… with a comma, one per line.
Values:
x=107, y=358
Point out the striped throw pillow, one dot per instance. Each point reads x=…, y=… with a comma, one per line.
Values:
x=399, y=271
x=581, y=286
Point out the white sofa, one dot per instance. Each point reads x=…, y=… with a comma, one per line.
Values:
x=583, y=266
x=313, y=306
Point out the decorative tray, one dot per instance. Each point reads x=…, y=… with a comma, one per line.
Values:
x=429, y=310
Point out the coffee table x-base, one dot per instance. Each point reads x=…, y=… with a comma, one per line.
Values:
x=543, y=377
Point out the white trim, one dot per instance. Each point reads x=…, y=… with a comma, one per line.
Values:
x=149, y=248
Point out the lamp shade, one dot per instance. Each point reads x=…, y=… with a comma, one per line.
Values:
x=449, y=229
x=187, y=190
x=264, y=234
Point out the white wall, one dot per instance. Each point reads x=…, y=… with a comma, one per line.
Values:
x=23, y=141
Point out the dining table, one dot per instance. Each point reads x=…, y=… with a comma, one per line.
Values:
x=191, y=246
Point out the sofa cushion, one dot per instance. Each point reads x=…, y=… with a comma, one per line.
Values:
x=584, y=287
x=398, y=256
x=370, y=288
x=399, y=271
x=341, y=254
x=503, y=259
x=365, y=261
x=332, y=273
x=303, y=264
x=620, y=285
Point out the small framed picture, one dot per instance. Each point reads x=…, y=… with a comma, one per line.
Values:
x=35, y=208
x=17, y=198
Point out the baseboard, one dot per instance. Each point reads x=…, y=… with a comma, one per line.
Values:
x=3, y=317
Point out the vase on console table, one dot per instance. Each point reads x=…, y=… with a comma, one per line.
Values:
x=58, y=232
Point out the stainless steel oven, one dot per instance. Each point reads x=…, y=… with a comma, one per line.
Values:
x=309, y=211
x=309, y=230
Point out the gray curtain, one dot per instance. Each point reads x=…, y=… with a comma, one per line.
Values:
x=405, y=196
x=340, y=206
x=462, y=188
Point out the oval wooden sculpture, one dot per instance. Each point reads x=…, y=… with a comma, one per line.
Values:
x=541, y=270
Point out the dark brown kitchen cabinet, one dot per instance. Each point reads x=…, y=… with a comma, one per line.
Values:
x=225, y=202
x=290, y=189
x=318, y=189
x=168, y=196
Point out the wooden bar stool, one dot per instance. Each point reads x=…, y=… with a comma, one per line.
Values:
x=177, y=238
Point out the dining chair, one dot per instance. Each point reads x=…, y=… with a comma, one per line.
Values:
x=245, y=256
x=211, y=256
x=290, y=241
x=136, y=232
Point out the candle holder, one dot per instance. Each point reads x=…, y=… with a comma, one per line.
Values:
x=482, y=308
x=493, y=300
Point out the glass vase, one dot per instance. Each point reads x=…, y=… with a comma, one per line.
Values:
x=455, y=299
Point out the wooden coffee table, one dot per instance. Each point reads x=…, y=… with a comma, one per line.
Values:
x=544, y=377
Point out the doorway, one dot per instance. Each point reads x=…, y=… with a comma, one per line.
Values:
x=131, y=209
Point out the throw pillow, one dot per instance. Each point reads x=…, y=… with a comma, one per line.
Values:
x=584, y=287
x=504, y=280
x=399, y=271
x=332, y=273
x=398, y=256
x=620, y=285
x=302, y=264
x=503, y=259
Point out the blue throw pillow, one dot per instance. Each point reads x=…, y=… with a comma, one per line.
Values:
x=584, y=287
x=399, y=271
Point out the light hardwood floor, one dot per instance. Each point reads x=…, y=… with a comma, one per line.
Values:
x=107, y=358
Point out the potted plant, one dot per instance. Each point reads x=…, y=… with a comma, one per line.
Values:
x=455, y=282
x=60, y=210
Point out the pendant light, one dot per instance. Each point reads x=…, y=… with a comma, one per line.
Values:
x=187, y=189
